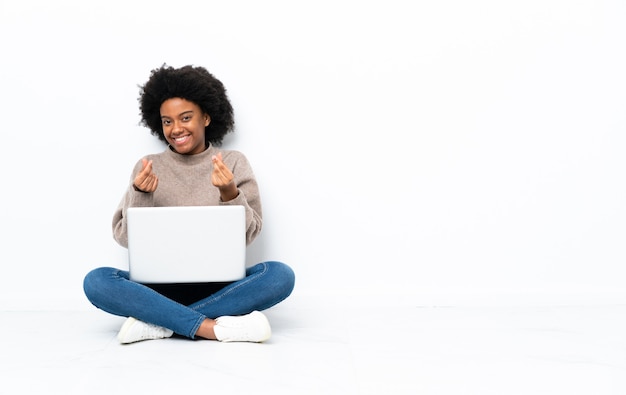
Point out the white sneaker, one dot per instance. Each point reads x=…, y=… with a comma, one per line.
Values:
x=134, y=330
x=253, y=327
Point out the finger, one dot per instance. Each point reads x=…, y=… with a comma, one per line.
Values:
x=221, y=169
x=152, y=185
x=147, y=168
x=217, y=178
x=221, y=178
x=217, y=158
x=149, y=184
x=218, y=166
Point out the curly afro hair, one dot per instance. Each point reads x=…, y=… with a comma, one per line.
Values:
x=194, y=84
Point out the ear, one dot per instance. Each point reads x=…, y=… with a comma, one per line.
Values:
x=207, y=120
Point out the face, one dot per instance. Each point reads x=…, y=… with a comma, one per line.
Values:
x=183, y=125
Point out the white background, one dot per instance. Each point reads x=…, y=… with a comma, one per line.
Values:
x=424, y=152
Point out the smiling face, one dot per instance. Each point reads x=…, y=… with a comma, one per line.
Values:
x=183, y=125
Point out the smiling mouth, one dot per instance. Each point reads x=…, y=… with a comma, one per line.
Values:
x=180, y=139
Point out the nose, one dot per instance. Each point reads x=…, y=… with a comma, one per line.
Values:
x=178, y=126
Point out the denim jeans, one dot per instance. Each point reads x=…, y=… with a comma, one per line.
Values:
x=265, y=285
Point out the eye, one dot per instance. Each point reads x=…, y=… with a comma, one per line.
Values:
x=166, y=122
x=186, y=118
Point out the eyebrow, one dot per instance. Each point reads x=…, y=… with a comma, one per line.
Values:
x=180, y=115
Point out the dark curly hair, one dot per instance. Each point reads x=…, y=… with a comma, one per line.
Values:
x=194, y=84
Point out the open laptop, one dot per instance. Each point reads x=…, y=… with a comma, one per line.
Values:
x=187, y=244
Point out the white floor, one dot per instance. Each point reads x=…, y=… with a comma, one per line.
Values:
x=330, y=350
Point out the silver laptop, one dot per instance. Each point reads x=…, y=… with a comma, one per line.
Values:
x=186, y=244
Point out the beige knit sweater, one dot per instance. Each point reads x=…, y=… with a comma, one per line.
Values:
x=185, y=180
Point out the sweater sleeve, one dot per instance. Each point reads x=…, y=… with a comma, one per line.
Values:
x=131, y=198
x=248, y=196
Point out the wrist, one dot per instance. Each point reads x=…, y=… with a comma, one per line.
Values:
x=229, y=193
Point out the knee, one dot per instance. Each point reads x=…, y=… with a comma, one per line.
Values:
x=284, y=277
x=94, y=283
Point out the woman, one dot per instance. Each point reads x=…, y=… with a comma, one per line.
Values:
x=188, y=109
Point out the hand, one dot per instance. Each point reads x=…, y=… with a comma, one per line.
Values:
x=146, y=180
x=222, y=178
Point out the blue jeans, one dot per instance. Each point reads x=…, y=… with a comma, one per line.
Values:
x=265, y=285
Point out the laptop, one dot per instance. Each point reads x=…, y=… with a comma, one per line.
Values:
x=190, y=244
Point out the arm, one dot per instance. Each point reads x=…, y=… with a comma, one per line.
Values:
x=242, y=189
x=134, y=197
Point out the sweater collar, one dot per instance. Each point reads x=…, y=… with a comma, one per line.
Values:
x=192, y=159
